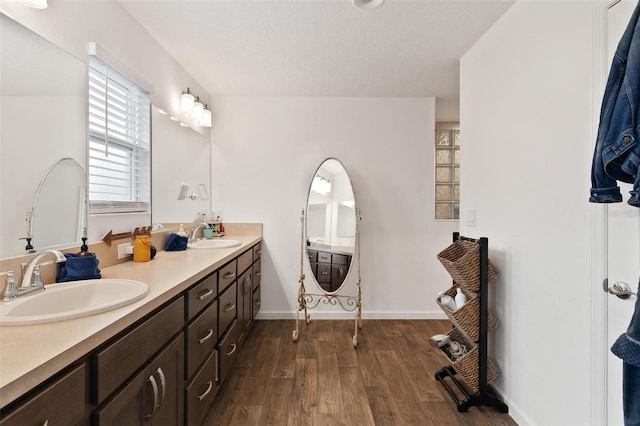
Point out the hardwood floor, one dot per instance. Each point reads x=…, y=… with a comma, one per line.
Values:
x=322, y=380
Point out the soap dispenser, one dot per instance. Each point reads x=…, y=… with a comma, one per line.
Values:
x=181, y=231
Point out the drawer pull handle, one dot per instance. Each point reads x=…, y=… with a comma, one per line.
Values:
x=154, y=387
x=229, y=275
x=257, y=303
x=229, y=307
x=163, y=385
x=232, y=350
x=207, y=392
x=46, y=423
x=324, y=273
x=258, y=253
x=207, y=337
x=205, y=294
x=258, y=273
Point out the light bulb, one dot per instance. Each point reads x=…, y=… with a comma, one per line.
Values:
x=186, y=102
x=205, y=120
x=198, y=107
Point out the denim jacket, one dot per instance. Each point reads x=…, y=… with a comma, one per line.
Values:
x=617, y=151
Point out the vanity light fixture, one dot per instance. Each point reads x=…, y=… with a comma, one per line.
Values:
x=321, y=185
x=198, y=107
x=205, y=120
x=36, y=4
x=193, y=110
x=187, y=101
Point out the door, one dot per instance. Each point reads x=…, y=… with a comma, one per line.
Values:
x=623, y=242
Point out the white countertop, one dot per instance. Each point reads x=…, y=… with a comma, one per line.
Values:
x=33, y=353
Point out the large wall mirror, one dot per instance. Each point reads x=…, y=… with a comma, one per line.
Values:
x=42, y=120
x=330, y=225
x=180, y=163
x=43, y=113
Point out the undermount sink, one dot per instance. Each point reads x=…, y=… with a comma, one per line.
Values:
x=71, y=300
x=213, y=244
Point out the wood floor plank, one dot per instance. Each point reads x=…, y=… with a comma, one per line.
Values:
x=323, y=380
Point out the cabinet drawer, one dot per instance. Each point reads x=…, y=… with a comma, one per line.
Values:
x=244, y=261
x=312, y=255
x=227, y=308
x=226, y=275
x=201, y=295
x=201, y=391
x=61, y=403
x=117, y=362
x=202, y=336
x=228, y=349
x=324, y=257
x=341, y=259
x=324, y=273
x=257, y=251
x=257, y=273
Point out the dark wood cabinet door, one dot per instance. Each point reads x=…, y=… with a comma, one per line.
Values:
x=245, y=292
x=61, y=403
x=152, y=397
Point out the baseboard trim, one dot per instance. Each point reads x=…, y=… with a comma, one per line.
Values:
x=337, y=315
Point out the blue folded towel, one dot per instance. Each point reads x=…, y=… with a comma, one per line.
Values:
x=175, y=242
x=78, y=268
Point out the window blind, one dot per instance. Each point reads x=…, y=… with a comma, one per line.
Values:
x=119, y=141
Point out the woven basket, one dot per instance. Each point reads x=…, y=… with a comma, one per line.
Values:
x=462, y=260
x=467, y=318
x=467, y=365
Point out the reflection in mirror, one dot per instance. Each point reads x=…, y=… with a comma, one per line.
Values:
x=180, y=164
x=330, y=225
x=63, y=190
x=42, y=117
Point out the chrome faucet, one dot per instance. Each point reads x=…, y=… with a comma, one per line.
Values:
x=316, y=243
x=9, y=287
x=32, y=267
x=194, y=232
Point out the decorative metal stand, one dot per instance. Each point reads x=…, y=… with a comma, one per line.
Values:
x=307, y=301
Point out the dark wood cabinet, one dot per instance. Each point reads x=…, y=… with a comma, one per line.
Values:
x=68, y=391
x=329, y=267
x=165, y=369
x=152, y=397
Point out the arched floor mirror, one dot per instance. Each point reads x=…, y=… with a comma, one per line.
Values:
x=330, y=243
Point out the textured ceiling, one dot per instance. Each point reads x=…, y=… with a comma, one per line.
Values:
x=321, y=48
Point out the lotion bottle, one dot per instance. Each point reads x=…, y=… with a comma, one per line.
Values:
x=447, y=301
x=460, y=298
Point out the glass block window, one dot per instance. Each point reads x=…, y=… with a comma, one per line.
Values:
x=447, y=175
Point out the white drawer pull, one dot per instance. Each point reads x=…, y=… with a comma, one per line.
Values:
x=229, y=307
x=205, y=294
x=207, y=337
x=207, y=392
x=232, y=350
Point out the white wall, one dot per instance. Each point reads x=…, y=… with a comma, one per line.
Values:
x=264, y=154
x=526, y=122
x=72, y=25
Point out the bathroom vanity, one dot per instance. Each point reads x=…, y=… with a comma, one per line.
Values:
x=160, y=360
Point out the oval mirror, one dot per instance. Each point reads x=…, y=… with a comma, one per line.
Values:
x=62, y=190
x=330, y=225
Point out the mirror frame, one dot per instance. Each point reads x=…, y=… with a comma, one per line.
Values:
x=306, y=225
x=32, y=213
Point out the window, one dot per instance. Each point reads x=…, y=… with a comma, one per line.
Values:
x=447, y=181
x=119, y=141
